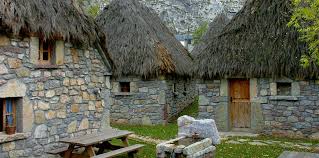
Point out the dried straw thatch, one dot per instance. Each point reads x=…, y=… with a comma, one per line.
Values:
x=49, y=18
x=139, y=43
x=213, y=31
x=256, y=43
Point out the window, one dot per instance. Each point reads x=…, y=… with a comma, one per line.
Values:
x=8, y=113
x=283, y=89
x=125, y=87
x=46, y=52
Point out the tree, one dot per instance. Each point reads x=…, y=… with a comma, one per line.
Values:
x=305, y=18
x=93, y=8
x=199, y=32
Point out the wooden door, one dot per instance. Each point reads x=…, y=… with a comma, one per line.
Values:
x=240, y=103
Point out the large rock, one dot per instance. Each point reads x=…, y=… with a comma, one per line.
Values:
x=13, y=88
x=188, y=126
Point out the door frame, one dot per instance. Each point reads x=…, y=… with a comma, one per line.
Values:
x=231, y=128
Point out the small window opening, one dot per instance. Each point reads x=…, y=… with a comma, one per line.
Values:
x=174, y=88
x=8, y=113
x=46, y=52
x=125, y=87
x=284, y=89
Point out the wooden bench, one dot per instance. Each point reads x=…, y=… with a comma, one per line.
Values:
x=59, y=151
x=131, y=150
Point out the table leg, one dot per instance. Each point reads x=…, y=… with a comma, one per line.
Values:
x=68, y=153
x=125, y=141
x=90, y=151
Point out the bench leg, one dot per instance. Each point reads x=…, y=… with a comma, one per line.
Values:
x=68, y=153
x=132, y=154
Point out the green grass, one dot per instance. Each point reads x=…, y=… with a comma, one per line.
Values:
x=157, y=131
x=250, y=151
x=224, y=150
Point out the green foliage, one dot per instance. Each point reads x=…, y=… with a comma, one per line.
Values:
x=93, y=10
x=199, y=32
x=306, y=19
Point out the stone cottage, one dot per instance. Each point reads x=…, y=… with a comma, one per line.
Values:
x=252, y=78
x=53, y=83
x=151, y=68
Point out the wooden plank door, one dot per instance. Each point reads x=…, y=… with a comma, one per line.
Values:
x=240, y=103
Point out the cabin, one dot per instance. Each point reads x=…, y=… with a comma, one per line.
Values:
x=53, y=76
x=151, y=69
x=251, y=75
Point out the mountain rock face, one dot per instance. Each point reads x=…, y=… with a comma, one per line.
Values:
x=185, y=16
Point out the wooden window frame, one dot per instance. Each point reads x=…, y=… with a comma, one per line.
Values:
x=5, y=113
x=125, y=87
x=50, y=52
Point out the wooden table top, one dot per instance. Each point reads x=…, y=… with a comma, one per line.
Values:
x=91, y=139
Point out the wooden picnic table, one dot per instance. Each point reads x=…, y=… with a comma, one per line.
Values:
x=98, y=140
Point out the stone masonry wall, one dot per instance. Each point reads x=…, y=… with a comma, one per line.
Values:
x=150, y=101
x=296, y=115
x=143, y=105
x=184, y=95
x=69, y=100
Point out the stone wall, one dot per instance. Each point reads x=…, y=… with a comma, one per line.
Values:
x=296, y=115
x=150, y=101
x=143, y=105
x=183, y=95
x=69, y=99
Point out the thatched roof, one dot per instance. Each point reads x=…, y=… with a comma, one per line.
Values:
x=256, y=43
x=139, y=43
x=214, y=29
x=49, y=18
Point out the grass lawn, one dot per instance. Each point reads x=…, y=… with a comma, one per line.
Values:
x=158, y=131
x=224, y=150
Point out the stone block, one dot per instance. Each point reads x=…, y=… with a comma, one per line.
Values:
x=59, y=52
x=146, y=121
x=75, y=55
x=257, y=118
x=41, y=131
x=222, y=117
x=253, y=88
x=50, y=94
x=162, y=98
x=23, y=72
x=143, y=90
x=43, y=105
x=224, y=87
x=273, y=88
x=39, y=117
x=72, y=127
x=84, y=124
x=14, y=63
x=115, y=87
x=13, y=88
x=28, y=116
x=8, y=146
x=198, y=146
x=188, y=126
x=295, y=89
x=3, y=69
x=75, y=108
x=203, y=100
x=50, y=115
x=34, y=50
x=4, y=41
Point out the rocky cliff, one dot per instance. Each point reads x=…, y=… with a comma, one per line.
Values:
x=184, y=16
